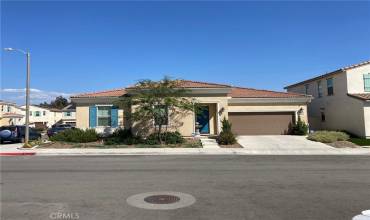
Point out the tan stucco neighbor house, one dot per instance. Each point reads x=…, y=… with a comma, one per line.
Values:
x=341, y=99
x=251, y=111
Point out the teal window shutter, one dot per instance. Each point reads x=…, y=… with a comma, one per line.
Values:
x=114, y=116
x=367, y=82
x=92, y=116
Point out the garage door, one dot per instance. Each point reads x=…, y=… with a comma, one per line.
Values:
x=261, y=123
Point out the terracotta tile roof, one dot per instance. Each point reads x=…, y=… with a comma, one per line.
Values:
x=12, y=115
x=195, y=84
x=362, y=96
x=330, y=73
x=356, y=65
x=106, y=93
x=236, y=92
x=239, y=92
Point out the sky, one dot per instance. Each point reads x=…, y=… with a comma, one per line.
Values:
x=89, y=46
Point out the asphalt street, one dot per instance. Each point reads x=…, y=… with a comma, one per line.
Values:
x=225, y=187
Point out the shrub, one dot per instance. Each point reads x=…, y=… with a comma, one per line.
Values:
x=226, y=136
x=300, y=128
x=122, y=136
x=76, y=135
x=167, y=137
x=328, y=136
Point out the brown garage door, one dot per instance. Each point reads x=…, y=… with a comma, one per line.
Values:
x=261, y=123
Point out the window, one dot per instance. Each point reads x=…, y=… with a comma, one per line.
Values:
x=37, y=113
x=161, y=115
x=322, y=112
x=9, y=109
x=67, y=113
x=43, y=113
x=307, y=87
x=330, y=86
x=104, y=115
x=319, y=89
x=30, y=113
x=2, y=108
x=367, y=82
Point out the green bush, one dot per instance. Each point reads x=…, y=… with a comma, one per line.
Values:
x=328, y=136
x=300, y=128
x=76, y=135
x=167, y=137
x=226, y=136
x=122, y=136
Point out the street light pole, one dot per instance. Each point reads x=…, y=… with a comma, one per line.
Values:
x=27, y=135
x=27, y=130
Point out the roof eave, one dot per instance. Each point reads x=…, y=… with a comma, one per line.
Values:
x=315, y=78
x=297, y=100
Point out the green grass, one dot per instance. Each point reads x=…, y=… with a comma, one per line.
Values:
x=360, y=141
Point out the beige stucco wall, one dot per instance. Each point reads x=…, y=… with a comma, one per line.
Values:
x=342, y=112
x=355, y=78
x=82, y=116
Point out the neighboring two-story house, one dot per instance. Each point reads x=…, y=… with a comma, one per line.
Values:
x=341, y=99
x=10, y=114
x=42, y=117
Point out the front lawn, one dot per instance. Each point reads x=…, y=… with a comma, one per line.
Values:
x=189, y=143
x=360, y=141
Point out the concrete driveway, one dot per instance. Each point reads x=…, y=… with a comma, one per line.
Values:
x=283, y=143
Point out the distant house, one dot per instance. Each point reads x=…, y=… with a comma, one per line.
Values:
x=68, y=115
x=341, y=99
x=10, y=114
x=251, y=111
x=45, y=117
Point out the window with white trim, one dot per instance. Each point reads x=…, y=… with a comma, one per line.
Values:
x=330, y=86
x=307, y=87
x=367, y=82
x=319, y=89
x=37, y=113
x=104, y=116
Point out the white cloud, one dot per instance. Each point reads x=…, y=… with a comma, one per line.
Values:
x=37, y=95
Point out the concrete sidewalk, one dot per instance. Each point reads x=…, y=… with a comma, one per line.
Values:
x=196, y=151
x=15, y=150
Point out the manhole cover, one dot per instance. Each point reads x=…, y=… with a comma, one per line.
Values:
x=162, y=199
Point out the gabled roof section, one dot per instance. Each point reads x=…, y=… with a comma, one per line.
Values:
x=329, y=74
x=361, y=96
x=240, y=92
x=106, y=93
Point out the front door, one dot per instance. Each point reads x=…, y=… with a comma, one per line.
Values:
x=203, y=120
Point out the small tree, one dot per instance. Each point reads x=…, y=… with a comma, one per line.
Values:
x=226, y=136
x=300, y=127
x=157, y=101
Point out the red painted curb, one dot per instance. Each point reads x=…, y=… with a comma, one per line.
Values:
x=18, y=154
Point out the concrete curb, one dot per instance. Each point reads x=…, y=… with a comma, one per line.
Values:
x=17, y=153
x=191, y=151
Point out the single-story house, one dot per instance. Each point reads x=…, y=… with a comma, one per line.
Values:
x=251, y=111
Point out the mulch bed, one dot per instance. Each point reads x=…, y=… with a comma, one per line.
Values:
x=343, y=144
x=190, y=143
